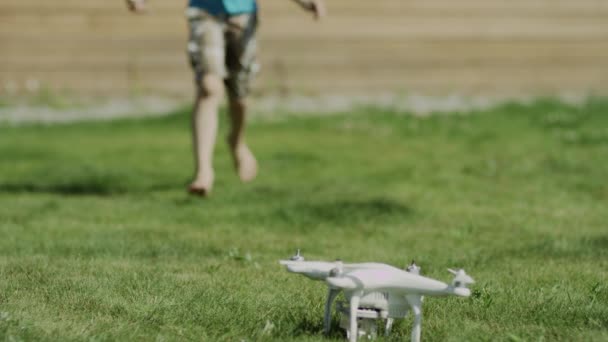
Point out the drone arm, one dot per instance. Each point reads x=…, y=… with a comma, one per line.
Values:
x=331, y=296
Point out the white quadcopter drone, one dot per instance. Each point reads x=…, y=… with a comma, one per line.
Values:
x=375, y=292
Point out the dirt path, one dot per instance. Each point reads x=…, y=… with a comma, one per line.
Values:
x=266, y=108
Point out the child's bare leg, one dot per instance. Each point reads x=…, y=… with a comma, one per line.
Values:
x=244, y=161
x=204, y=131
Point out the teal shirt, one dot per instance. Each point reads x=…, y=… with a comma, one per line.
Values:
x=225, y=7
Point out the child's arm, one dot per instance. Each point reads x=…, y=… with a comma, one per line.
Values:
x=317, y=7
x=136, y=5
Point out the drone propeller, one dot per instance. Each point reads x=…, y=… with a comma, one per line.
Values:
x=413, y=268
x=297, y=256
x=461, y=278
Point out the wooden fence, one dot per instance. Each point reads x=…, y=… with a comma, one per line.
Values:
x=423, y=46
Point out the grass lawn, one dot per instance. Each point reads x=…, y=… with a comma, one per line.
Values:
x=99, y=241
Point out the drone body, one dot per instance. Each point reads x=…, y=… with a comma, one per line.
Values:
x=376, y=291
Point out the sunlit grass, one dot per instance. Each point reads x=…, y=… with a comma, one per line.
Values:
x=99, y=240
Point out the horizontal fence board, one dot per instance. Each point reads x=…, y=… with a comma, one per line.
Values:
x=437, y=75
x=292, y=28
x=339, y=6
x=117, y=61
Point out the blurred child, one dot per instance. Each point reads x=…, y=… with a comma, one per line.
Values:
x=222, y=50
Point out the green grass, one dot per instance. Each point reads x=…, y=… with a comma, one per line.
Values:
x=98, y=240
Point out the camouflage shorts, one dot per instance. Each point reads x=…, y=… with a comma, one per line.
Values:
x=225, y=47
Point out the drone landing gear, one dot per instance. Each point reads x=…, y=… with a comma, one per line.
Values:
x=359, y=323
x=415, y=303
x=331, y=297
x=367, y=317
x=354, y=307
x=389, y=326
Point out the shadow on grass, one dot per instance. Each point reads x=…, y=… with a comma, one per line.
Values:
x=599, y=242
x=309, y=327
x=76, y=188
x=375, y=207
x=559, y=248
x=83, y=187
x=72, y=177
x=343, y=212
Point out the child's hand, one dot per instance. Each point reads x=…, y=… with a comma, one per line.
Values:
x=136, y=6
x=317, y=7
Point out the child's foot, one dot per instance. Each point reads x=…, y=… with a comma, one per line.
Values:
x=202, y=185
x=244, y=161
